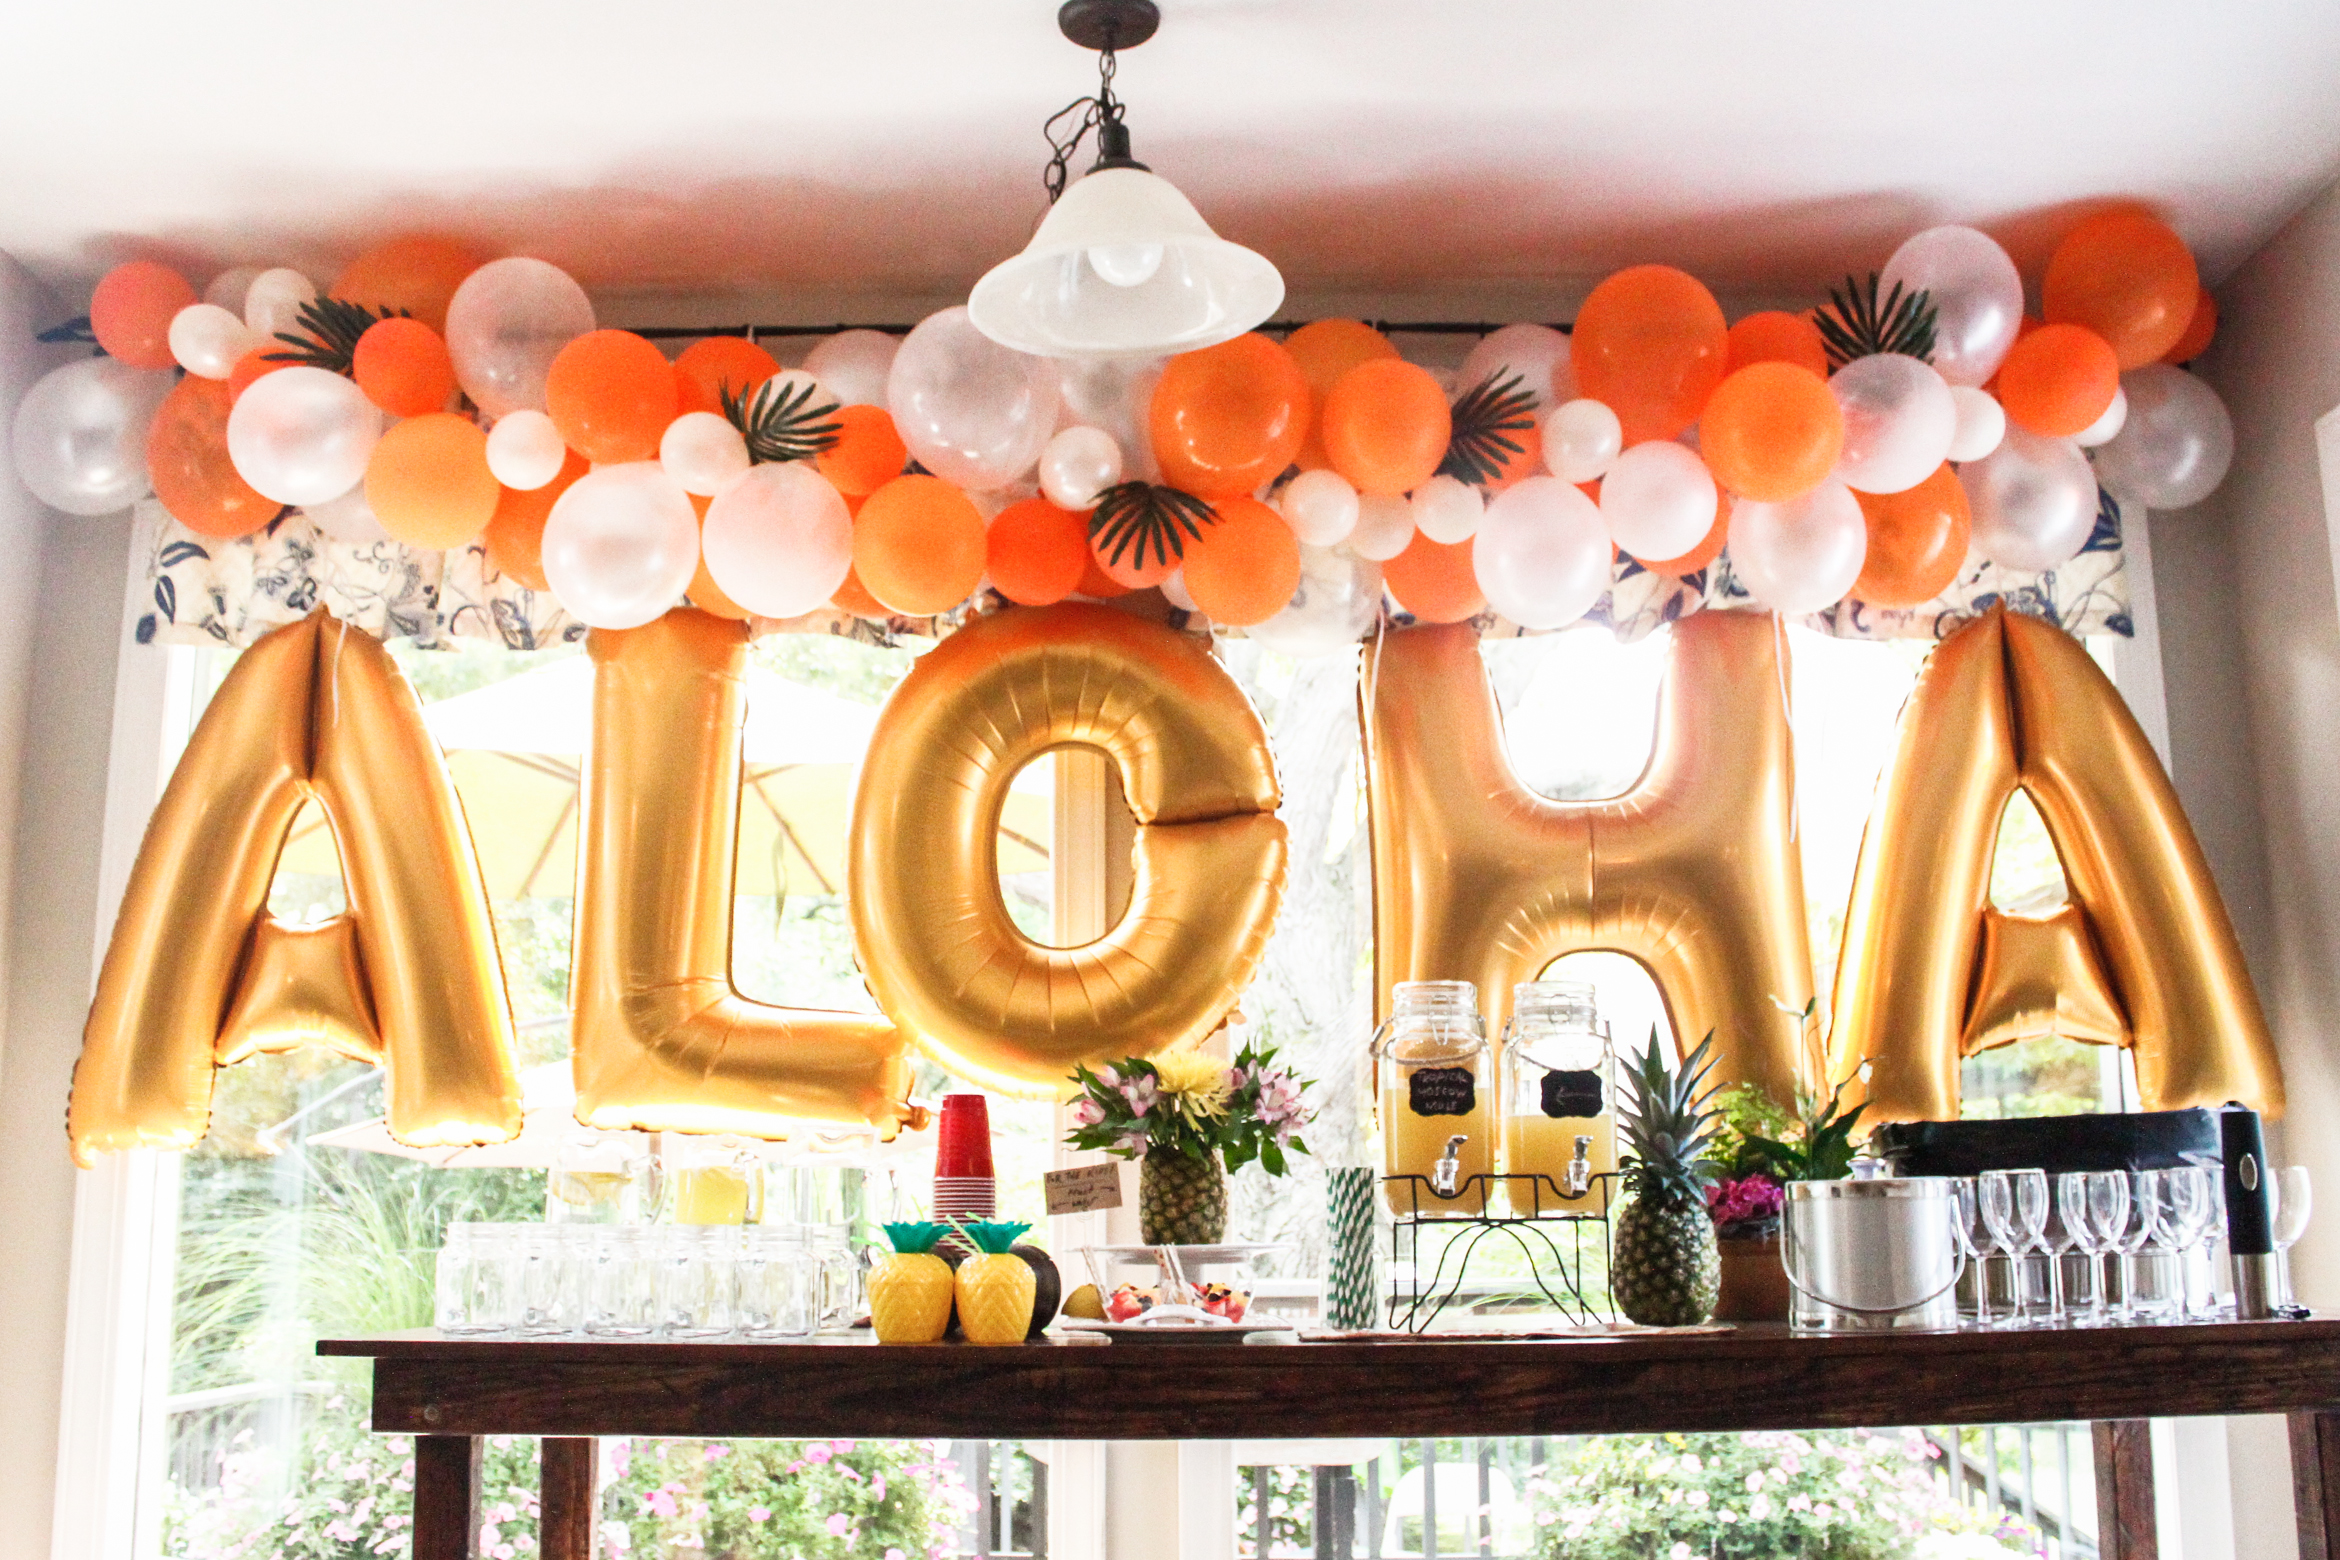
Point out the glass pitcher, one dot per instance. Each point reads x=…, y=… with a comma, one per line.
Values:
x=1434, y=1082
x=1559, y=1084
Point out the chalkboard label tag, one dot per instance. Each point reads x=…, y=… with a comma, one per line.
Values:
x=1442, y=1091
x=1569, y=1093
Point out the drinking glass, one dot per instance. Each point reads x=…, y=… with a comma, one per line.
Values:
x=1966, y=1227
x=2192, y=1202
x=2158, y=1289
x=2293, y=1201
x=1995, y=1196
x=837, y=1269
x=2112, y=1217
x=476, y=1278
x=2037, y=1285
x=603, y=1178
x=548, y=1279
x=621, y=1282
x=2082, y=1235
x=775, y=1282
x=696, y=1267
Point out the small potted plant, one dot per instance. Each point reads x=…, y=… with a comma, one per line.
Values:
x=1189, y=1118
x=1758, y=1149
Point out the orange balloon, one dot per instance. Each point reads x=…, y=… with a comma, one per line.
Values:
x=1325, y=350
x=1705, y=552
x=428, y=481
x=1526, y=463
x=611, y=394
x=252, y=365
x=1244, y=569
x=713, y=364
x=1229, y=418
x=515, y=532
x=403, y=367
x=2058, y=380
x=918, y=545
x=1435, y=581
x=854, y=597
x=1128, y=573
x=2129, y=278
x=130, y=313
x=868, y=454
x=1771, y=431
x=1652, y=343
x=187, y=460
x=1386, y=426
x=2199, y=330
x=416, y=276
x=1095, y=582
x=1775, y=336
x=1036, y=553
x=1917, y=540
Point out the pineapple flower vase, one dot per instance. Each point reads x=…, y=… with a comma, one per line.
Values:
x=1665, y=1270
x=996, y=1288
x=910, y=1292
x=1182, y=1198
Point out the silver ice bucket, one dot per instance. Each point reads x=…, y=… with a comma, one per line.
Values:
x=1872, y=1256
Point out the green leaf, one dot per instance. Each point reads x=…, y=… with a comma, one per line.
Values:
x=1486, y=421
x=1855, y=325
x=780, y=420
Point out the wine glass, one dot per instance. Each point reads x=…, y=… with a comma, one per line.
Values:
x=2293, y=1200
x=2081, y=1233
x=2192, y=1201
x=1974, y=1242
x=2032, y=1207
x=1995, y=1195
x=2110, y=1215
x=2145, y=1240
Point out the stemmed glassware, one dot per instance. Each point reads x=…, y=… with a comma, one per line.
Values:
x=1974, y=1243
x=2116, y=1224
x=2193, y=1205
x=2037, y=1285
x=2293, y=1200
x=1995, y=1197
x=2084, y=1235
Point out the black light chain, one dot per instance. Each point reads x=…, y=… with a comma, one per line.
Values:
x=1104, y=108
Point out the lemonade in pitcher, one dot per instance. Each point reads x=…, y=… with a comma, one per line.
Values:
x=1434, y=1083
x=1559, y=1084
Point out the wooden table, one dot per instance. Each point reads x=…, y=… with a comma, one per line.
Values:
x=445, y=1391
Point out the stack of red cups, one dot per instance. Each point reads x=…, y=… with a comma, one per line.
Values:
x=964, y=1186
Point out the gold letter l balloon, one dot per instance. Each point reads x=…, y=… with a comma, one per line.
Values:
x=197, y=976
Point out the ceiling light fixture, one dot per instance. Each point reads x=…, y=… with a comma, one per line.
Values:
x=1122, y=264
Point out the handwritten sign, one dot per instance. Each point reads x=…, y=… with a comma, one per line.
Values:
x=1442, y=1091
x=1082, y=1189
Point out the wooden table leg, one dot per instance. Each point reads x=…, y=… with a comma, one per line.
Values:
x=446, y=1496
x=2315, y=1483
x=2126, y=1527
x=566, y=1527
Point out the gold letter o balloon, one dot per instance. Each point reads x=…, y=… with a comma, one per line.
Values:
x=942, y=955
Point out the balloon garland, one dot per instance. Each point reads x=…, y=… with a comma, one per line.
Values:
x=1852, y=451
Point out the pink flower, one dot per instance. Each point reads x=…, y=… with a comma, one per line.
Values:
x=1141, y=1094
x=838, y=1523
x=843, y=1448
x=817, y=1453
x=716, y=1451
x=1087, y=1112
x=660, y=1501
x=489, y=1535
x=759, y=1513
x=877, y=1485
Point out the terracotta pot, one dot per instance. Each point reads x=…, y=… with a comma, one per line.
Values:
x=1754, y=1282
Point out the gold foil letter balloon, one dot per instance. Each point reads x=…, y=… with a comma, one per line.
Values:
x=942, y=954
x=409, y=977
x=2145, y=955
x=1692, y=872
x=662, y=1039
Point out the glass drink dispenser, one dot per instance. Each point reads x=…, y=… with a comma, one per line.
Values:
x=1559, y=1084
x=1435, y=1082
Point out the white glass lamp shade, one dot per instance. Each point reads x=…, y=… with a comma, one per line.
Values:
x=1124, y=265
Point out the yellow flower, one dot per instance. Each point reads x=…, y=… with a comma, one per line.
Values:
x=1194, y=1081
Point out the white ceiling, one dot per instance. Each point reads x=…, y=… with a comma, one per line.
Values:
x=1402, y=148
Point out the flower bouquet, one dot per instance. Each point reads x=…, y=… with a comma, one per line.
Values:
x=1190, y=1118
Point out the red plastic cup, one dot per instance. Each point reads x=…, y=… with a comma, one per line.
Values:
x=962, y=1147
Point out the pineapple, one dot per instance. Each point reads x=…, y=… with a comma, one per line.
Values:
x=910, y=1292
x=997, y=1288
x=1181, y=1201
x=1665, y=1269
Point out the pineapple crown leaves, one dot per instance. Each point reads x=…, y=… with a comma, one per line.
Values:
x=329, y=332
x=913, y=1237
x=780, y=420
x=994, y=1237
x=1856, y=325
x=1485, y=420
x=1150, y=515
x=1669, y=1127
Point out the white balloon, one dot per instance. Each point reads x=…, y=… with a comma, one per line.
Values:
x=1536, y=354
x=854, y=365
x=231, y=288
x=1077, y=464
x=207, y=340
x=1320, y=507
x=1385, y=526
x=1982, y=422
x=1175, y=592
x=302, y=435
x=272, y=304
x=1976, y=294
x=972, y=411
x=1801, y=555
x=1542, y=554
x=1447, y=510
x=2033, y=501
x=704, y=452
x=1117, y=395
x=621, y=545
x=80, y=434
x=524, y=450
x=1658, y=500
x=1582, y=438
x=2177, y=445
x=779, y=540
x=1337, y=604
x=2103, y=430
x=1899, y=418
x=506, y=324
x=349, y=519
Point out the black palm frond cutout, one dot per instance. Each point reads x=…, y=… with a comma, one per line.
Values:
x=1485, y=420
x=780, y=420
x=1856, y=325
x=1149, y=515
x=330, y=328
